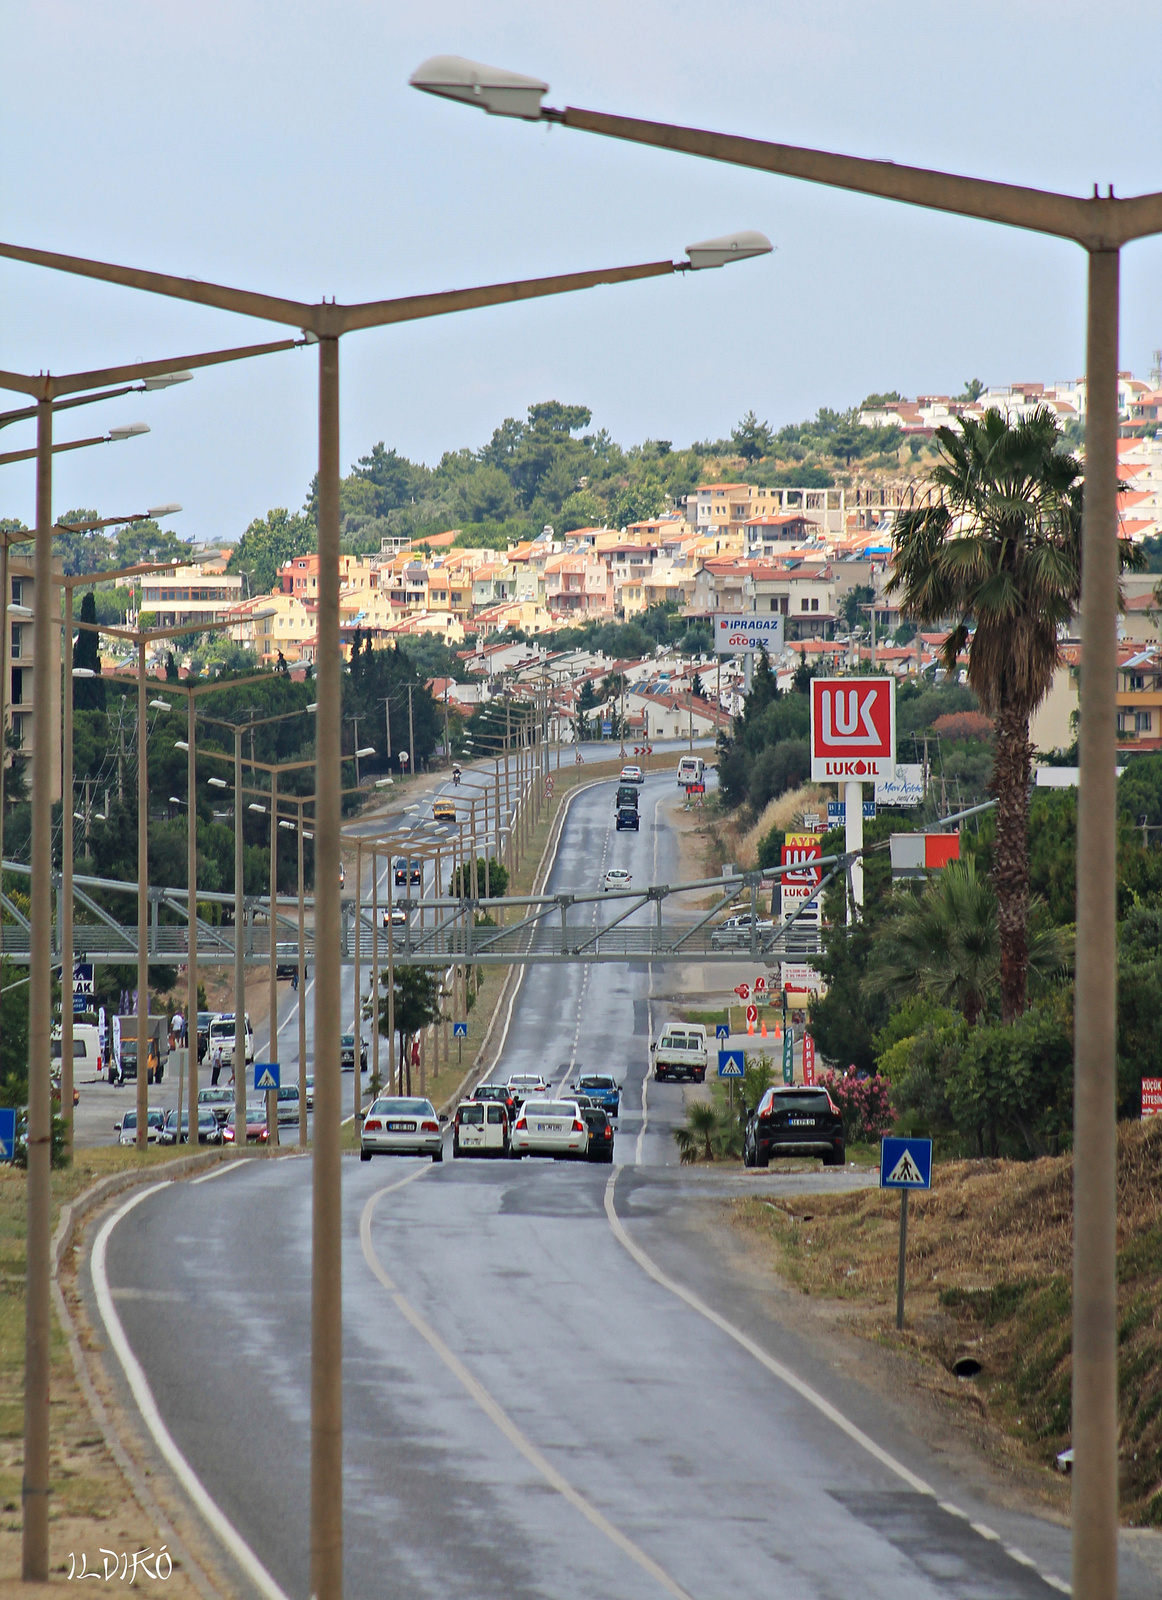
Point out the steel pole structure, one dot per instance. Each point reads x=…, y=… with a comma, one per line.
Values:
x=357, y=1085
x=34, y=1486
x=5, y=635
x=239, y=956
x=67, y=875
x=191, y=919
x=271, y=1095
x=142, y=905
x=375, y=1084
x=1095, y=1419
x=326, y=1241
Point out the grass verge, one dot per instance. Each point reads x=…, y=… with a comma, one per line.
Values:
x=988, y=1278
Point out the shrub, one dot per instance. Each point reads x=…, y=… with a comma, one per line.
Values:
x=863, y=1104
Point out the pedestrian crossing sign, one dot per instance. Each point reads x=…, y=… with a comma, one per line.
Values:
x=906, y=1164
x=266, y=1075
x=731, y=1063
x=459, y=1030
x=722, y=1030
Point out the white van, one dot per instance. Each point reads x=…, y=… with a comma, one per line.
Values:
x=222, y=1034
x=679, y=1051
x=87, y=1061
x=691, y=769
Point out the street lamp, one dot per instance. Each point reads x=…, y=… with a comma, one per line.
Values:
x=1101, y=225
x=323, y=324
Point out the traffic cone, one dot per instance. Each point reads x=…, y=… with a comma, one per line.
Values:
x=764, y=1030
x=750, y=1027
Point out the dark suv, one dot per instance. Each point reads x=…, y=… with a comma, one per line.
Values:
x=628, y=819
x=795, y=1121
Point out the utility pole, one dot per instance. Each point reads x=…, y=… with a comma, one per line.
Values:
x=411, y=732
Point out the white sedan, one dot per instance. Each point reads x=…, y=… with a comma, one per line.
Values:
x=616, y=878
x=401, y=1127
x=523, y=1084
x=550, y=1128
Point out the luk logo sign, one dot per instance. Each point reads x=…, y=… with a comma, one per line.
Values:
x=853, y=728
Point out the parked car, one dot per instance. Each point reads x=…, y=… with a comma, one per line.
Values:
x=735, y=932
x=401, y=1126
x=601, y=1089
x=794, y=1121
x=632, y=775
x=126, y=1129
x=347, y=1053
x=522, y=1084
x=480, y=1128
x=499, y=1092
x=209, y=1130
x=256, y=1129
x=616, y=878
x=218, y=1101
x=596, y=1119
x=550, y=1128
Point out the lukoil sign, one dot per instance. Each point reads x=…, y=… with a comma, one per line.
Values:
x=853, y=729
x=744, y=634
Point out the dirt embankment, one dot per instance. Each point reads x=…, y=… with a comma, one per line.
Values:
x=989, y=1279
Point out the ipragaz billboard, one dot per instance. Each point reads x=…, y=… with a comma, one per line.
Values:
x=744, y=634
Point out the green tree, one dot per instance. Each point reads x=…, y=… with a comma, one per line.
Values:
x=417, y=1005
x=1000, y=553
x=752, y=439
x=268, y=544
x=88, y=693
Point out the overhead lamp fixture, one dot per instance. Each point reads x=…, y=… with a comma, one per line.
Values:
x=307, y=834
x=180, y=744
x=283, y=823
x=254, y=806
x=217, y=783
x=166, y=380
x=127, y=430
x=382, y=783
x=494, y=89
x=368, y=750
x=170, y=510
x=161, y=705
x=176, y=800
x=314, y=706
x=83, y=672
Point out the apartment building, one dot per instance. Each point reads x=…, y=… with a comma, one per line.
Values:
x=1139, y=700
x=193, y=595
x=579, y=585
x=18, y=716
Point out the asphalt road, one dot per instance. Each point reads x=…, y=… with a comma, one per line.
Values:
x=531, y=1409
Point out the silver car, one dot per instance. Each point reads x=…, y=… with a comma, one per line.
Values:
x=401, y=1126
x=735, y=932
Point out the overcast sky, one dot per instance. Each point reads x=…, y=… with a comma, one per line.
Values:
x=274, y=144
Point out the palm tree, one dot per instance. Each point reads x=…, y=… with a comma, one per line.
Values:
x=945, y=945
x=697, y=1139
x=1000, y=555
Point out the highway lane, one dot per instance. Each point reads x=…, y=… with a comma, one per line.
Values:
x=527, y=1411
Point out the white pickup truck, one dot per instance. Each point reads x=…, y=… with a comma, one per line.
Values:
x=679, y=1051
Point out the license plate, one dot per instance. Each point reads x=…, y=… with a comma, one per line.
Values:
x=548, y=1127
x=401, y=1127
x=471, y=1135
x=802, y=1122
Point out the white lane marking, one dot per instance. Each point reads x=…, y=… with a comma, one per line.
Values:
x=151, y=1416
x=1019, y=1556
x=953, y=1511
x=639, y=1146
x=1056, y=1583
x=776, y=1368
x=985, y=1532
x=223, y=1166
x=500, y=1418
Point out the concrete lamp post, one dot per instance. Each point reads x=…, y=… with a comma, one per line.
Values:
x=325, y=324
x=1101, y=225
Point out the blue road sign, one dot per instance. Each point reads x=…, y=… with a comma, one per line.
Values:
x=607, y=730
x=906, y=1164
x=722, y=1030
x=731, y=1063
x=82, y=977
x=459, y=1030
x=7, y=1132
x=80, y=1004
x=266, y=1075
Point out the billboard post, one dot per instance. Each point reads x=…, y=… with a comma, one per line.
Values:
x=853, y=742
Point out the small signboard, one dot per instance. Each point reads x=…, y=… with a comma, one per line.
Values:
x=722, y=1030
x=742, y=990
x=731, y=1064
x=459, y=1030
x=7, y=1132
x=266, y=1075
x=83, y=977
x=801, y=977
x=606, y=730
x=906, y=1164
x=744, y=634
x=811, y=821
x=837, y=812
x=1152, y=1097
x=808, y=1059
x=904, y=787
x=752, y=1013
x=760, y=984
x=788, y=1056
x=80, y=1004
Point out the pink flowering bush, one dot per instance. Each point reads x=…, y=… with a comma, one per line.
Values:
x=863, y=1103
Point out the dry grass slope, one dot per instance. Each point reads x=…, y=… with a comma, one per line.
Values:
x=989, y=1276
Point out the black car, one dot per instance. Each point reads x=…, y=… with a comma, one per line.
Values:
x=600, y=1147
x=408, y=870
x=500, y=1092
x=209, y=1128
x=626, y=795
x=794, y=1121
x=627, y=819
